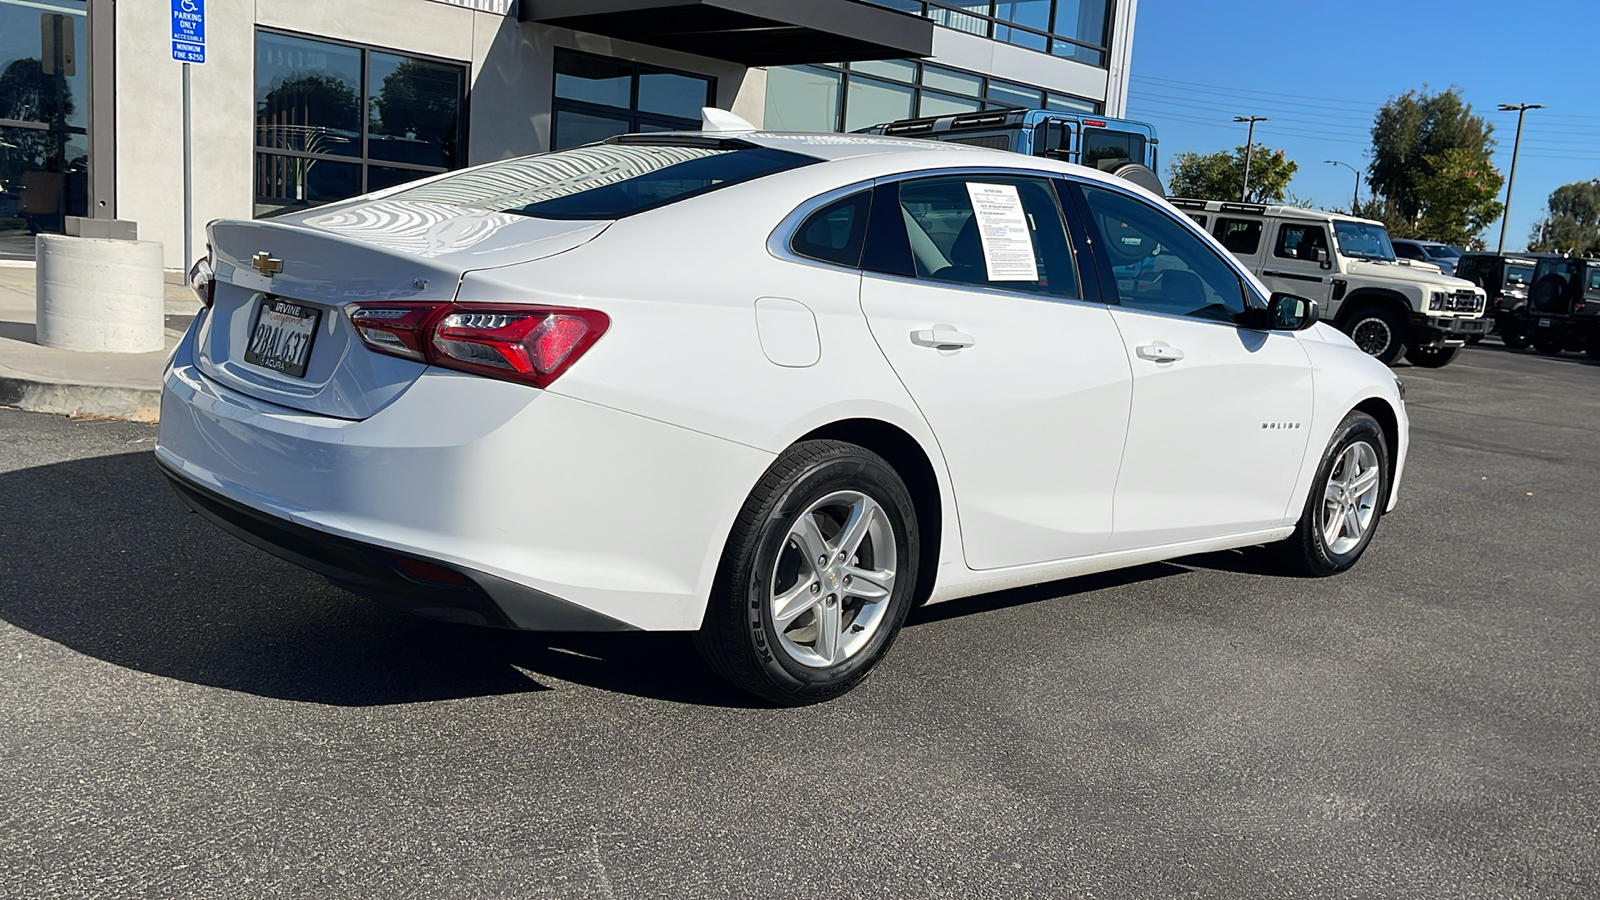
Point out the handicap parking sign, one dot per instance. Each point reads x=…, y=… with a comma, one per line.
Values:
x=189, y=30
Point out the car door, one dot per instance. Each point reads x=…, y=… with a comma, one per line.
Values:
x=972, y=291
x=1217, y=429
x=1299, y=261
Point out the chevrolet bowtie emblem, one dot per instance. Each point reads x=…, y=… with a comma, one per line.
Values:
x=266, y=264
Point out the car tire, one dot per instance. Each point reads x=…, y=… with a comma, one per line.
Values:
x=1327, y=540
x=1378, y=332
x=1592, y=349
x=1549, y=348
x=823, y=640
x=1431, y=357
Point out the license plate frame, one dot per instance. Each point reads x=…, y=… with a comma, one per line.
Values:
x=284, y=340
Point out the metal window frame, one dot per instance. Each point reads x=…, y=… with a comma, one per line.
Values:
x=993, y=22
x=985, y=102
x=633, y=115
x=363, y=158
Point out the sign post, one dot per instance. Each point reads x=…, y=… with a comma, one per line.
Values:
x=188, y=47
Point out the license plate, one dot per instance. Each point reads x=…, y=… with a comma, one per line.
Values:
x=282, y=335
x=1544, y=323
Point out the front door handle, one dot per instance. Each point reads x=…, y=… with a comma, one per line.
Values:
x=942, y=337
x=1160, y=352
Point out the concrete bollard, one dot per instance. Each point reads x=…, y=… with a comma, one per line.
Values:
x=99, y=295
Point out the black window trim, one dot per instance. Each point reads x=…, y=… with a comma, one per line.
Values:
x=361, y=159
x=634, y=115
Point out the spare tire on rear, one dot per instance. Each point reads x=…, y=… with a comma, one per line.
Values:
x=1138, y=173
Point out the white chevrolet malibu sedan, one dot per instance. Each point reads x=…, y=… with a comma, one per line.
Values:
x=775, y=389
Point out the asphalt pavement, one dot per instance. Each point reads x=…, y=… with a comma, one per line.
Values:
x=184, y=716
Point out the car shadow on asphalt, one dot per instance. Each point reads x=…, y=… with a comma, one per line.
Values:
x=101, y=557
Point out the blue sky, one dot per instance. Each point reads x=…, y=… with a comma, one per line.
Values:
x=1321, y=70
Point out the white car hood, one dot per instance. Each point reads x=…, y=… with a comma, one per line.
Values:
x=1397, y=272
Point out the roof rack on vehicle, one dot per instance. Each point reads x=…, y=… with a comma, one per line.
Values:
x=1244, y=207
x=1183, y=203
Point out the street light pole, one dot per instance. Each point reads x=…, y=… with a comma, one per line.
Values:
x=1355, y=201
x=1516, y=147
x=1249, y=149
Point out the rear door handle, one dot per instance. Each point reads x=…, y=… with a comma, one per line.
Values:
x=1159, y=351
x=942, y=337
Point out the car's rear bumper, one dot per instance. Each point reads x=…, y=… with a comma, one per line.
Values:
x=561, y=513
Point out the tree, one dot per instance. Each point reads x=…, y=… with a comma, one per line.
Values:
x=1572, y=222
x=1431, y=165
x=1217, y=176
x=419, y=102
x=1459, y=190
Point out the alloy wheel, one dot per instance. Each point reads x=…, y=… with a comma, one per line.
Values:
x=1372, y=336
x=833, y=579
x=1350, y=498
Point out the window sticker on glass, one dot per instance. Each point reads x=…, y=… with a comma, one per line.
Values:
x=1003, y=229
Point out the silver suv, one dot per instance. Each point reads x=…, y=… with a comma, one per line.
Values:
x=1442, y=255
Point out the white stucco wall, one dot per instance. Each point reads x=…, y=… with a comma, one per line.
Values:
x=511, y=72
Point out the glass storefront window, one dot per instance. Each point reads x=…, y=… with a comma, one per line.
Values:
x=598, y=97
x=869, y=102
x=943, y=79
x=933, y=104
x=830, y=98
x=334, y=120
x=1061, y=27
x=44, y=114
x=802, y=98
x=414, y=115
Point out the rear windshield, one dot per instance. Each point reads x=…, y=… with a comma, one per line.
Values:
x=605, y=181
x=1519, y=276
x=1441, y=251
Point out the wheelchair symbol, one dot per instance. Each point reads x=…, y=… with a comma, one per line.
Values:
x=189, y=6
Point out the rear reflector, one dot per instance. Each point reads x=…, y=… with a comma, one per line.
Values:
x=527, y=344
x=427, y=571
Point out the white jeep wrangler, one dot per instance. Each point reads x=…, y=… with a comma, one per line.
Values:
x=1348, y=266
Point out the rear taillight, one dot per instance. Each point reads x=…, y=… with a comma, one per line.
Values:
x=527, y=344
x=203, y=281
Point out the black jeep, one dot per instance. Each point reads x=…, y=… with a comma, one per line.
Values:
x=1563, y=308
x=1504, y=277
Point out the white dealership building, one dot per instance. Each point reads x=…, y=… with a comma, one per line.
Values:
x=303, y=102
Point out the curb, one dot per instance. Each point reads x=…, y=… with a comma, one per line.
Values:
x=133, y=404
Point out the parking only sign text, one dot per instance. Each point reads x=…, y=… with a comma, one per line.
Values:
x=189, y=30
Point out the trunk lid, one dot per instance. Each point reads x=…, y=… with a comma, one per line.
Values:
x=320, y=261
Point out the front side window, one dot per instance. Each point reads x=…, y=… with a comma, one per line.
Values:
x=1300, y=241
x=598, y=97
x=334, y=121
x=1239, y=235
x=1594, y=280
x=1160, y=265
x=995, y=231
x=1363, y=241
x=608, y=181
x=835, y=233
x=1519, y=275
x=1408, y=251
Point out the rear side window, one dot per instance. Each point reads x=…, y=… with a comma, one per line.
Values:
x=835, y=233
x=996, y=231
x=1239, y=235
x=606, y=181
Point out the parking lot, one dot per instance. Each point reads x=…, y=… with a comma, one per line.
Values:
x=182, y=715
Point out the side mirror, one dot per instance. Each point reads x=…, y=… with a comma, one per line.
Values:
x=1290, y=313
x=1322, y=258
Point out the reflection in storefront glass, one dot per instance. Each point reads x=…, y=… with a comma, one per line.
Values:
x=414, y=115
x=44, y=158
